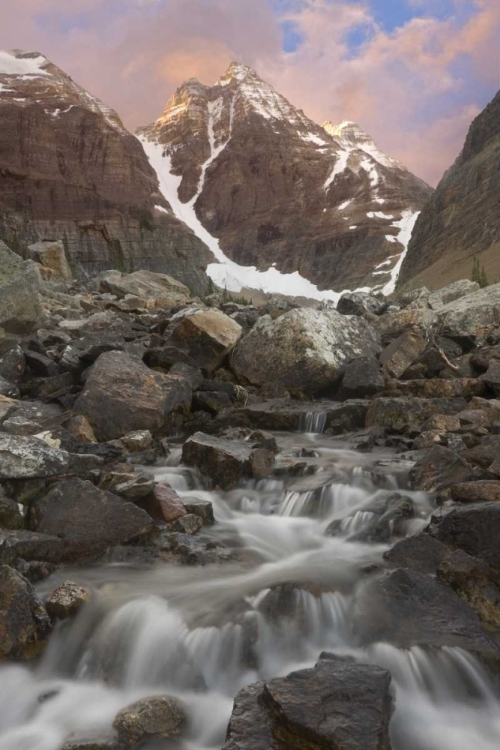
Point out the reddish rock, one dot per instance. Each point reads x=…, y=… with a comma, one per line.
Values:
x=163, y=504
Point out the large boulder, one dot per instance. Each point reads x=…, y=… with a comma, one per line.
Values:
x=122, y=395
x=361, y=303
x=362, y=378
x=89, y=520
x=337, y=705
x=52, y=258
x=28, y=545
x=207, y=336
x=20, y=308
x=474, y=528
x=30, y=458
x=157, y=289
x=24, y=624
x=304, y=350
x=475, y=314
x=158, y=718
x=439, y=469
x=452, y=292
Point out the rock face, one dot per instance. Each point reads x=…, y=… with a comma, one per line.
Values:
x=304, y=350
x=71, y=172
x=461, y=218
x=277, y=190
x=337, y=705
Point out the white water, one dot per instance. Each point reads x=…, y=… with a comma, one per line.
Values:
x=203, y=633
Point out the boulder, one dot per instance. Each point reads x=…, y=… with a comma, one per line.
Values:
x=226, y=462
x=13, y=363
x=12, y=515
x=122, y=395
x=337, y=705
x=474, y=528
x=20, y=308
x=188, y=524
x=400, y=414
x=491, y=377
x=31, y=417
x=362, y=378
x=485, y=453
x=163, y=504
x=476, y=492
x=476, y=314
x=158, y=289
x=438, y=469
x=421, y=552
x=7, y=407
x=66, y=600
x=8, y=390
x=89, y=520
x=28, y=458
x=201, y=508
x=24, y=624
x=28, y=545
x=360, y=303
x=149, y=719
x=471, y=579
x=394, y=324
x=207, y=336
x=407, y=608
x=452, y=292
x=304, y=350
x=51, y=256
x=403, y=352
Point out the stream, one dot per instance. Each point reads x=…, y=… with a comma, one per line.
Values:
x=202, y=633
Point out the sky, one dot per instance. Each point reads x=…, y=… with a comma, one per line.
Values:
x=413, y=73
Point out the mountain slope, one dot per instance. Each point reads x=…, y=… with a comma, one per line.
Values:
x=462, y=219
x=279, y=194
x=70, y=170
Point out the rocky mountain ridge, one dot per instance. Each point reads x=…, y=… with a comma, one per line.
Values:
x=270, y=190
x=70, y=171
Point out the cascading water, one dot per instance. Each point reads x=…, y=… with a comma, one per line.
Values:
x=201, y=634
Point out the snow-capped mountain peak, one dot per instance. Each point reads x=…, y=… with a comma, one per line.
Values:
x=350, y=135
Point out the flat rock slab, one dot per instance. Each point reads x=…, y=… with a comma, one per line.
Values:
x=293, y=416
x=337, y=705
x=88, y=520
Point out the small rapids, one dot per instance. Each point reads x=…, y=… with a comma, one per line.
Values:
x=203, y=633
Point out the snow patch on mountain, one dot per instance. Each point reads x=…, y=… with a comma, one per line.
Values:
x=339, y=167
x=405, y=226
x=12, y=64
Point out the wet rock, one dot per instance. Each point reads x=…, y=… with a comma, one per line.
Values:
x=12, y=515
x=226, y=461
x=188, y=524
x=163, y=504
x=122, y=395
x=207, y=336
x=292, y=416
x=403, y=352
x=439, y=469
x=362, y=378
x=157, y=718
x=24, y=624
x=201, y=508
x=20, y=308
x=472, y=580
x=474, y=528
x=66, y=600
x=400, y=414
x=88, y=519
x=29, y=545
x=390, y=516
x=407, y=608
x=304, y=350
x=26, y=457
x=421, y=552
x=360, y=303
x=476, y=492
x=337, y=704
x=83, y=742
x=157, y=289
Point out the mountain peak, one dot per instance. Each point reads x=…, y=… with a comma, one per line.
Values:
x=236, y=72
x=18, y=63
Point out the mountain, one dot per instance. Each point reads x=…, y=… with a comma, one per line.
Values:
x=283, y=203
x=71, y=171
x=462, y=219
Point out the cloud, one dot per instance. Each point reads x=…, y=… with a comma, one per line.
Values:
x=414, y=88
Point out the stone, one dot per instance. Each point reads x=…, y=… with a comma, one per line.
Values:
x=391, y=514
x=360, y=303
x=362, y=378
x=51, y=255
x=452, y=292
x=444, y=422
x=473, y=527
x=13, y=364
x=407, y=608
x=7, y=407
x=476, y=492
x=163, y=504
x=89, y=520
x=67, y=600
x=204, y=509
x=24, y=624
x=122, y=395
x=400, y=414
x=337, y=705
x=40, y=365
x=158, y=289
x=304, y=350
x=226, y=462
x=188, y=524
x=476, y=314
x=485, y=453
x=29, y=545
x=20, y=308
x=8, y=390
x=12, y=515
x=133, y=487
x=79, y=426
x=157, y=718
x=421, y=552
x=207, y=336
x=394, y=324
x=402, y=352
x=30, y=458
x=437, y=388
x=472, y=580
x=31, y=417
x=439, y=469
x=212, y=402
x=491, y=377
x=139, y=440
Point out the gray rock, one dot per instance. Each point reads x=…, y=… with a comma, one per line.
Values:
x=439, y=469
x=403, y=352
x=360, y=303
x=157, y=718
x=157, y=288
x=12, y=515
x=476, y=314
x=31, y=417
x=207, y=336
x=30, y=458
x=51, y=255
x=202, y=508
x=303, y=350
x=362, y=378
x=7, y=389
x=20, y=308
x=452, y=292
x=24, y=624
x=28, y=545
x=421, y=552
x=400, y=414
x=66, y=600
x=474, y=528
x=491, y=377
